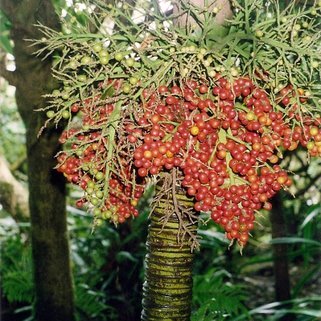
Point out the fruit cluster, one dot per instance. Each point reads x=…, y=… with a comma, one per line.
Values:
x=225, y=137
x=85, y=164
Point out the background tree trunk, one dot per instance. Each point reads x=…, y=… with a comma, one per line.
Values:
x=280, y=255
x=32, y=78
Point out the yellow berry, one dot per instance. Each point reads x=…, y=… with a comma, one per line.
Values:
x=314, y=131
x=133, y=202
x=194, y=130
x=310, y=145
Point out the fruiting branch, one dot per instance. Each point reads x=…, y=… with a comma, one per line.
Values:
x=212, y=107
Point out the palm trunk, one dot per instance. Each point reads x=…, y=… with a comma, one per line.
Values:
x=167, y=291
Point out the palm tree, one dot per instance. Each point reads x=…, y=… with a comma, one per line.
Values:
x=172, y=237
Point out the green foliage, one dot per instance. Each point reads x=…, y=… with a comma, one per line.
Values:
x=72, y=12
x=16, y=271
x=304, y=241
x=275, y=47
x=103, y=267
x=261, y=42
x=90, y=305
x=303, y=309
x=216, y=298
x=5, y=27
x=104, y=263
x=107, y=267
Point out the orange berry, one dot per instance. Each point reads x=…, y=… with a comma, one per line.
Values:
x=274, y=159
x=293, y=146
x=262, y=120
x=133, y=202
x=314, y=131
x=148, y=154
x=194, y=130
x=282, y=179
x=169, y=154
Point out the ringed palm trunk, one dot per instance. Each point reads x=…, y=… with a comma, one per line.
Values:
x=167, y=291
